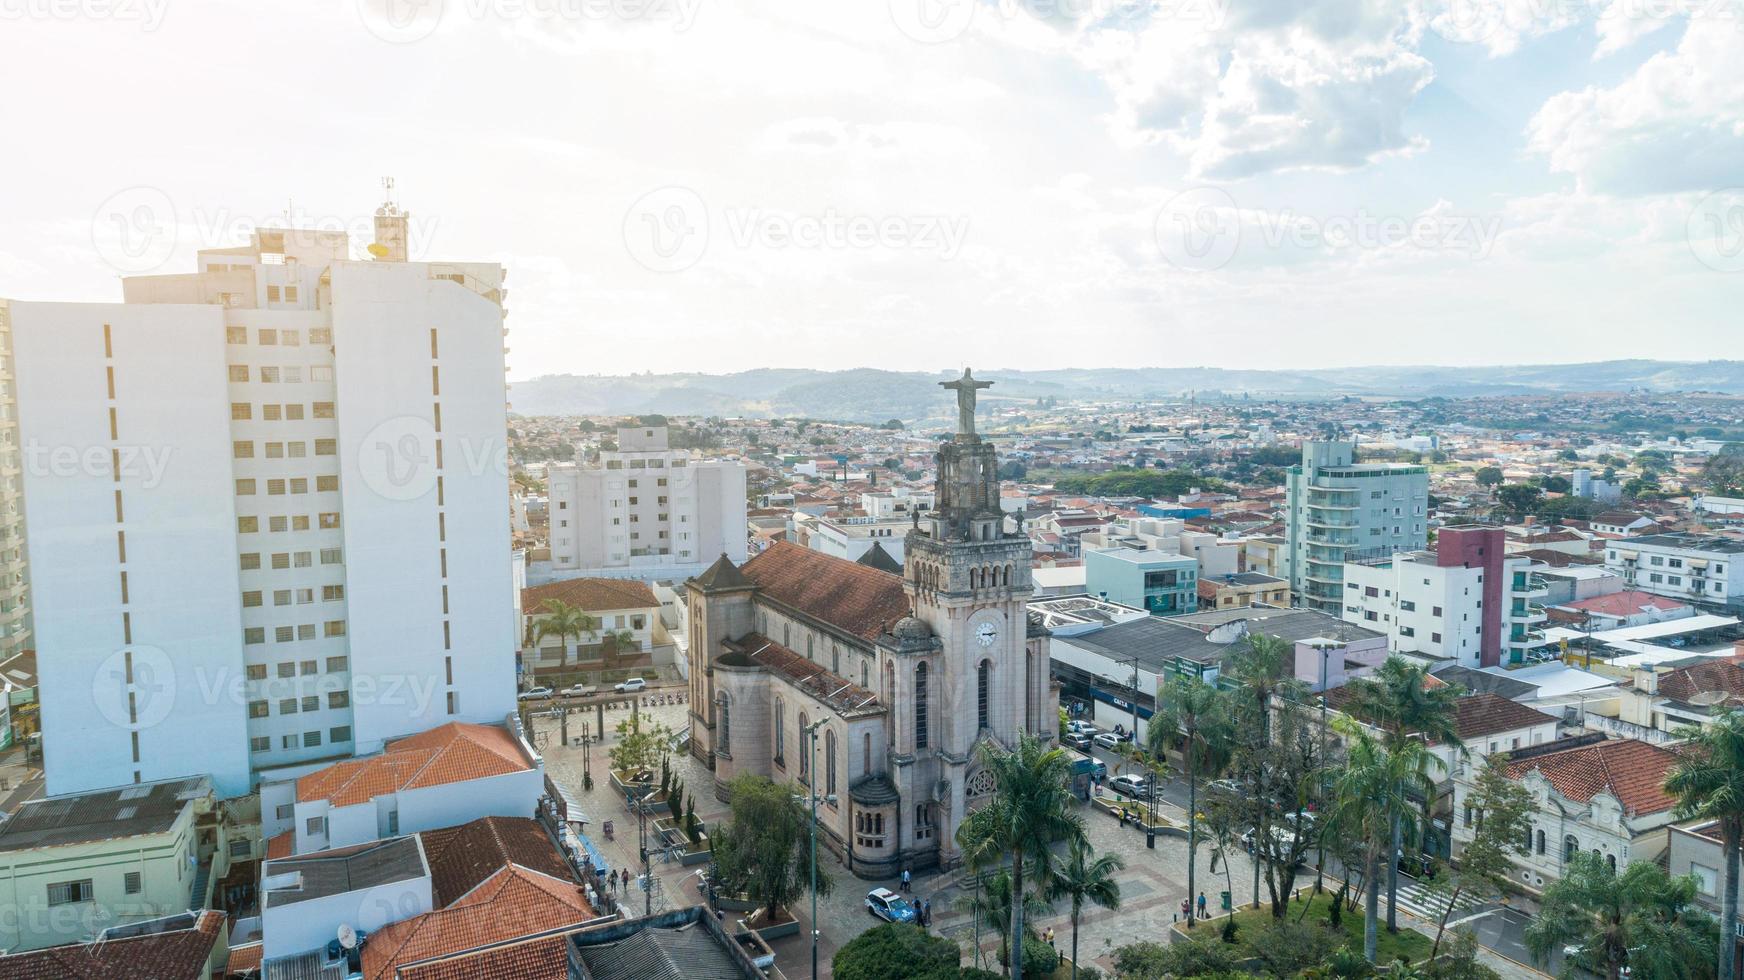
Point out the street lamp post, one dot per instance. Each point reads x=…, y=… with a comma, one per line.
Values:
x=1325, y=649
x=642, y=847
x=811, y=731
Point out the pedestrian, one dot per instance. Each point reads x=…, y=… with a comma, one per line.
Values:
x=905, y=879
x=1050, y=937
x=1202, y=913
x=1186, y=909
x=926, y=913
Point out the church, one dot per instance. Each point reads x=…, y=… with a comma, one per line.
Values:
x=900, y=675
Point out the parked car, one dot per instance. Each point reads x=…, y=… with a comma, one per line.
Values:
x=535, y=694
x=1107, y=740
x=579, y=690
x=1130, y=785
x=889, y=906
x=1077, y=740
x=1224, y=787
x=1080, y=726
x=630, y=686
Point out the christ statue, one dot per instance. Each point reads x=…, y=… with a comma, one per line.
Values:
x=965, y=388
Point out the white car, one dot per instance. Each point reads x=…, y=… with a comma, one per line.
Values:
x=889, y=906
x=579, y=690
x=1130, y=785
x=630, y=686
x=535, y=694
x=1107, y=740
x=1080, y=726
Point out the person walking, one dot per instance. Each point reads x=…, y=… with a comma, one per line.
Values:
x=905, y=879
x=1186, y=909
x=1050, y=936
x=1202, y=913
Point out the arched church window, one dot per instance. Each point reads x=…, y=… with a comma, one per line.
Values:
x=829, y=762
x=981, y=677
x=804, y=750
x=920, y=706
x=780, y=732
x=1569, y=847
x=866, y=754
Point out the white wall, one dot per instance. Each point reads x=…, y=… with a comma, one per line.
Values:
x=311, y=924
x=184, y=601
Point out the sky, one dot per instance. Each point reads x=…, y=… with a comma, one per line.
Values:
x=718, y=185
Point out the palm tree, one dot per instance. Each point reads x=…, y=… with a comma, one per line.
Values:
x=1642, y=918
x=1191, y=714
x=562, y=620
x=990, y=907
x=1709, y=783
x=1083, y=877
x=1370, y=791
x=1399, y=701
x=1031, y=810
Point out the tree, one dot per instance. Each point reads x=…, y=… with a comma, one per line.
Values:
x=1400, y=702
x=1519, y=498
x=1370, y=792
x=896, y=951
x=1276, y=757
x=1504, y=809
x=560, y=619
x=1642, y=918
x=1191, y=715
x=637, y=750
x=1708, y=782
x=1083, y=877
x=1031, y=810
x=1723, y=474
x=764, y=851
x=1489, y=476
x=1556, y=484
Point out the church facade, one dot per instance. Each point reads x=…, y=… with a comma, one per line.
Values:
x=901, y=677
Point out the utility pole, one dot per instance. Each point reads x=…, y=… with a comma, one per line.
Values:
x=811, y=731
x=642, y=846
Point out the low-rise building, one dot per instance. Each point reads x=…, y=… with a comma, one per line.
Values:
x=1160, y=582
x=1699, y=568
x=1695, y=849
x=1604, y=796
x=445, y=776
x=188, y=945
x=624, y=629
x=1665, y=697
x=1630, y=607
x=72, y=866
x=1243, y=589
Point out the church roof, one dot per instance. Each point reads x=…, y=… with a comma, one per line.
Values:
x=837, y=692
x=721, y=576
x=859, y=599
x=877, y=557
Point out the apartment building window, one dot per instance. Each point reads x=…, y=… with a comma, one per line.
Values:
x=250, y=599
x=238, y=372
x=311, y=702
x=287, y=741
x=321, y=372
x=323, y=410
x=329, y=520
x=296, y=450
x=333, y=627
x=253, y=635
x=315, y=825
x=247, y=525
x=339, y=699
x=284, y=634
x=326, y=483
x=281, y=597
x=306, y=668
x=287, y=706
x=130, y=883
x=306, y=631
x=331, y=556
x=257, y=709
x=272, y=296
x=274, y=450
x=241, y=410
x=245, y=488
x=326, y=447
x=1407, y=605
x=1435, y=637
x=341, y=733
x=300, y=522
x=1435, y=611
x=70, y=892
x=256, y=672
x=453, y=703
x=290, y=338
x=268, y=336
x=336, y=665
x=260, y=743
x=281, y=560
x=332, y=593
x=301, y=558
x=236, y=335
x=293, y=375
x=320, y=335
x=278, y=523
x=271, y=413
x=269, y=375
x=242, y=449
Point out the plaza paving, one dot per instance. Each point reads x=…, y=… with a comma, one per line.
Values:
x=1152, y=884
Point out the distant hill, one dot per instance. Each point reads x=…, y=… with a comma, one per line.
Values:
x=866, y=394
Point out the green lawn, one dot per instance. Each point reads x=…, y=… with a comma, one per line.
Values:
x=1407, y=943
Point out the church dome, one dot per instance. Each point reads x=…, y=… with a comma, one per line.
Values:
x=909, y=628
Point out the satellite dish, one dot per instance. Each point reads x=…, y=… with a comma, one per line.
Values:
x=347, y=936
x=378, y=250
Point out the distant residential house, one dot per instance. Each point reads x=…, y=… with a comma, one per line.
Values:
x=188, y=945
x=445, y=776
x=628, y=627
x=1598, y=795
x=1631, y=607
x=1695, y=850
x=1243, y=589
x=1667, y=696
x=1621, y=524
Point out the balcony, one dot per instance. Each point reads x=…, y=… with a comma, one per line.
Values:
x=1533, y=587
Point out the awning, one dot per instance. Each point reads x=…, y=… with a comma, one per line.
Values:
x=595, y=858
x=571, y=806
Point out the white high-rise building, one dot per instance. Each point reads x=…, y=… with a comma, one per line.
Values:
x=267, y=510
x=644, y=511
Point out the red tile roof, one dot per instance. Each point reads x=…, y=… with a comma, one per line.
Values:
x=450, y=753
x=1710, y=682
x=512, y=903
x=591, y=594
x=808, y=675
x=544, y=958
x=1477, y=715
x=462, y=857
x=853, y=597
x=180, y=955
x=281, y=846
x=1632, y=771
x=1629, y=602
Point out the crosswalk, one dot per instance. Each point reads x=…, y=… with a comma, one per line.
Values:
x=1417, y=898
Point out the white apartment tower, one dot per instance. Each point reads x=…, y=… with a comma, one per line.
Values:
x=645, y=511
x=267, y=510
x=15, y=619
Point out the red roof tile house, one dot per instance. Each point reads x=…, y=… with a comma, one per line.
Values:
x=185, y=946
x=1603, y=796
x=446, y=776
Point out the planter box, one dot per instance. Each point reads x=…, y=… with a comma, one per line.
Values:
x=728, y=903
x=775, y=930
x=668, y=833
x=628, y=787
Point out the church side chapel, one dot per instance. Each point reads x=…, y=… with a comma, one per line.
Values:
x=900, y=676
